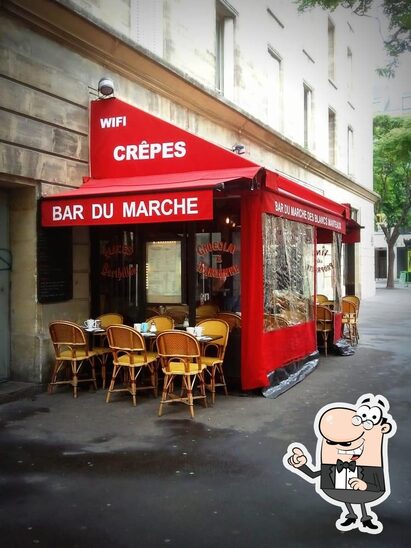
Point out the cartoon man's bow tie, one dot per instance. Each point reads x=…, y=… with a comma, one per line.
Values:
x=350, y=465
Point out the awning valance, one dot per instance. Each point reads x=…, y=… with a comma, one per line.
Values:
x=151, y=198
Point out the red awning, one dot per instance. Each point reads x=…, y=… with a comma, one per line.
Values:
x=146, y=199
x=167, y=181
x=353, y=232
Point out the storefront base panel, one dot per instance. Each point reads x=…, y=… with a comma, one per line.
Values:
x=284, y=378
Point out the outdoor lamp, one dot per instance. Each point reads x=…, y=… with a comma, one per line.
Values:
x=106, y=87
x=238, y=148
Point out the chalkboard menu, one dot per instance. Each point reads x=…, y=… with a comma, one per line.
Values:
x=54, y=265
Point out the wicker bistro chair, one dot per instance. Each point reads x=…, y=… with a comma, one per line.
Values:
x=233, y=320
x=178, y=312
x=102, y=349
x=275, y=321
x=325, y=324
x=162, y=323
x=180, y=358
x=350, y=320
x=130, y=356
x=321, y=298
x=71, y=351
x=204, y=311
x=213, y=353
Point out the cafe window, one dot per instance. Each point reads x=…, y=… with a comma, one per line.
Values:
x=288, y=272
x=218, y=256
x=328, y=266
x=163, y=272
x=114, y=270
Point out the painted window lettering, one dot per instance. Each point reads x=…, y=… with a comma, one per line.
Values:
x=149, y=151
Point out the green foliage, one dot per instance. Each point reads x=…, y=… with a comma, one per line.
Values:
x=392, y=170
x=398, y=13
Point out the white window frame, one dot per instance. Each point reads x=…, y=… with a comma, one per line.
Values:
x=331, y=50
x=350, y=151
x=147, y=24
x=332, y=136
x=224, y=53
x=308, y=116
x=275, y=93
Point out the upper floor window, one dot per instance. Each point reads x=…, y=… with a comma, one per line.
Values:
x=308, y=106
x=406, y=102
x=349, y=71
x=350, y=150
x=146, y=22
x=225, y=17
x=274, y=109
x=331, y=136
x=331, y=50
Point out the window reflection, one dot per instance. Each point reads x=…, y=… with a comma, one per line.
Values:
x=288, y=272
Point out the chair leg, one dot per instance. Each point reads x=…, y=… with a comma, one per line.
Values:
x=57, y=368
x=153, y=377
x=325, y=337
x=222, y=378
x=203, y=388
x=116, y=371
x=212, y=385
x=188, y=386
x=74, y=378
x=133, y=387
x=168, y=382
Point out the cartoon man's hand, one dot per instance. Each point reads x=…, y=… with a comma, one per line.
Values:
x=297, y=459
x=357, y=484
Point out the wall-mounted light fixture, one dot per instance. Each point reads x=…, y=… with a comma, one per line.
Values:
x=105, y=87
x=238, y=148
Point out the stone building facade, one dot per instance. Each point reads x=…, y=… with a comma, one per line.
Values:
x=295, y=90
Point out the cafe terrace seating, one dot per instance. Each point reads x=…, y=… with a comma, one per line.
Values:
x=275, y=321
x=325, y=324
x=350, y=320
x=178, y=312
x=354, y=299
x=102, y=350
x=131, y=357
x=72, y=354
x=213, y=353
x=204, y=311
x=321, y=298
x=179, y=353
x=233, y=320
x=162, y=323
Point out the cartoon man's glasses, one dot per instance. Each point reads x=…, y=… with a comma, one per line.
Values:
x=367, y=416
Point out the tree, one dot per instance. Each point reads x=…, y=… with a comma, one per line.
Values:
x=398, y=13
x=392, y=180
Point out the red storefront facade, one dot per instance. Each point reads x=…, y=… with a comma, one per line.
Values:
x=149, y=174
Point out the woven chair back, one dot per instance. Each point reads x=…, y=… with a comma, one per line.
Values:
x=162, y=323
x=176, y=348
x=233, y=320
x=67, y=335
x=123, y=337
x=110, y=318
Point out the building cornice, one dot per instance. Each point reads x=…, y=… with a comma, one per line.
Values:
x=66, y=24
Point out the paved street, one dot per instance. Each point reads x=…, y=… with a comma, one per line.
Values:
x=81, y=473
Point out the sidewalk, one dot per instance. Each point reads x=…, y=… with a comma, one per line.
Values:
x=83, y=473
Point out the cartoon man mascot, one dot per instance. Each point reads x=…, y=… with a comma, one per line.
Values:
x=352, y=464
